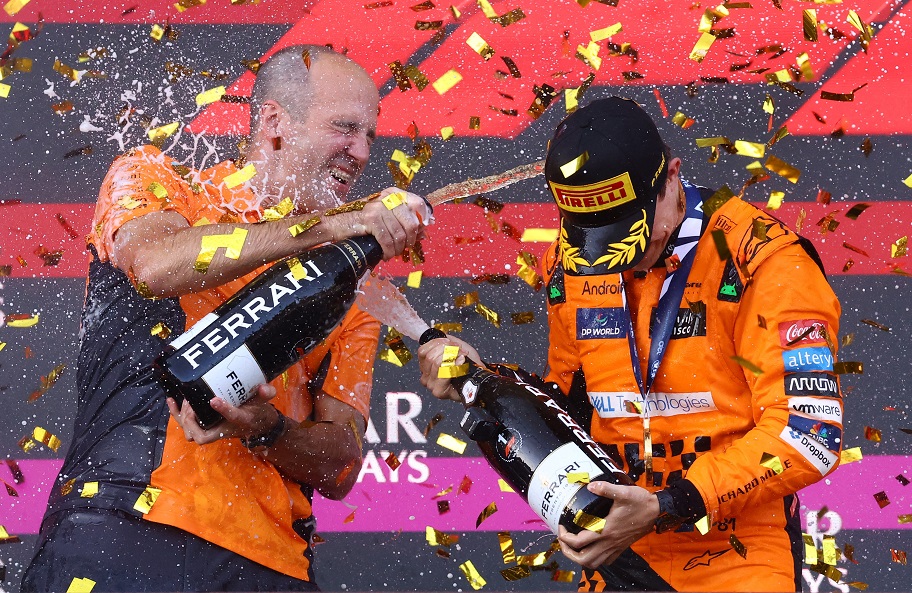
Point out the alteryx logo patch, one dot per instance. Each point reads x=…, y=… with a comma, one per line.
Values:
x=820, y=384
x=600, y=323
x=828, y=435
x=808, y=359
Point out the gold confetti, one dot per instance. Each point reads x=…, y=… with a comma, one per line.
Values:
x=488, y=314
x=14, y=6
x=522, y=317
x=900, y=247
x=279, y=211
x=751, y=149
x=446, y=82
x=62, y=107
x=856, y=210
x=535, y=235
x=848, y=368
x=452, y=443
x=602, y=34
x=782, y=168
x=873, y=323
x=394, y=199
x=703, y=525
x=449, y=328
x=22, y=320
x=299, y=228
x=233, y=244
x=882, y=499
x=504, y=487
x=446, y=132
x=872, y=434
x=737, y=545
x=898, y=556
x=775, y=200
x=810, y=549
x=465, y=485
x=161, y=330
x=471, y=575
x=506, y=547
x=158, y=135
x=89, y=489
x=772, y=462
x=210, y=96
x=239, y=177
x=575, y=165
x=681, y=120
x=809, y=19
x=698, y=53
x=589, y=522
x=830, y=551
x=908, y=181
x=515, y=573
x=464, y=300
x=589, y=55
x=757, y=371
x=145, y=501
x=850, y=455
x=487, y=512
x=5, y=90
x=904, y=519
x=26, y=444
x=718, y=237
x=67, y=487
x=578, y=477
x=865, y=30
x=414, y=279
x=47, y=382
x=158, y=190
x=479, y=46
x=46, y=438
x=563, y=576
x=81, y=585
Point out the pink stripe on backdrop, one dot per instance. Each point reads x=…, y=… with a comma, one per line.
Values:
x=405, y=506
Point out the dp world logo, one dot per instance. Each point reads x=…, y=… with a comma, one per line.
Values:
x=600, y=323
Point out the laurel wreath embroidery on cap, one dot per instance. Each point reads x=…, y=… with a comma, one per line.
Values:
x=620, y=253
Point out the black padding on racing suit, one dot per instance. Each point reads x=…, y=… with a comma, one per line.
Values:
x=629, y=572
x=119, y=430
x=793, y=528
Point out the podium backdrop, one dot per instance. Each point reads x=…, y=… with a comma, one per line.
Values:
x=844, y=99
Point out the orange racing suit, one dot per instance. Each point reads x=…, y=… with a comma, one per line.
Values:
x=745, y=409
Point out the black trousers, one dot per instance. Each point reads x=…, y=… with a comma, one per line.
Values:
x=122, y=553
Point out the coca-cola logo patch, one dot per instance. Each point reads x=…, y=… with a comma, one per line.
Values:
x=802, y=331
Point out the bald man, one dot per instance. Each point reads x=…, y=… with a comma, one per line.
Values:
x=146, y=499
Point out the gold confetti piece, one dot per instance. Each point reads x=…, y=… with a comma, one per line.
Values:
x=850, y=455
x=681, y=120
x=782, y=168
x=589, y=522
x=533, y=559
x=602, y=34
x=480, y=46
x=571, y=100
x=737, y=545
x=589, y=55
x=830, y=551
x=5, y=90
x=506, y=547
x=158, y=190
x=233, y=244
x=81, y=585
x=21, y=320
x=575, y=165
x=872, y=434
x=698, y=53
x=908, y=181
x=810, y=549
x=757, y=371
x=578, y=477
x=299, y=228
x=563, y=576
x=809, y=20
x=239, y=177
x=751, y=149
x=446, y=132
x=26, y=444
x=522, y=317
x=6, y=538
x=183, y=5
x=452, y=443
x=515, y=573
x=488, y=314
x=387, y=355
x=279, y=211
x=62, y=107
x=873, y=323
x=504, y=487
x=145, y=501
x=464, y=300
x=898, y=556
x=439, y=538
x=471, y=575
x=414, y=279
x=861, y=586
x=14, y=6
x=848, y=368
x=449, y=356
x=392, y=461
x=158, y=135
x=703, y=525
x=772, y=462
x=900, y=247
x=129, y=202
x=67, y=487
x=882, y=499
x=487, y=512
x=465, y=485
x=392, y=200
x=856, y=210
x=89, y=489
x=453, y=371
x=718, y=236
x=46, y=438
x=210, y=96
x=450, y=79
x=47, y=382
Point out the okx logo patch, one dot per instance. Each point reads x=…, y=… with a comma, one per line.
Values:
x=600, y=323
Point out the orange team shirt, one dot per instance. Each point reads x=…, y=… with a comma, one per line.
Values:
x=221, y=491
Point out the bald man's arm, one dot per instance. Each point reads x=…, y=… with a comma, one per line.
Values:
x=159, y=250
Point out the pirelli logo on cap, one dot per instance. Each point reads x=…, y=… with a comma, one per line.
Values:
x=594, y=197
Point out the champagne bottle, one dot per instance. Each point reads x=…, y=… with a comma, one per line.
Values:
x=265, y=327
x=535, y=445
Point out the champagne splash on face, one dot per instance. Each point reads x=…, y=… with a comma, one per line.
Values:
x=380, y=298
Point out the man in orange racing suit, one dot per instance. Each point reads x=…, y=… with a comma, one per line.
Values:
x=148, y=501
x=732, y=404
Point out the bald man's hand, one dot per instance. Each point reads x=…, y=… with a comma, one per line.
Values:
x=396, y=223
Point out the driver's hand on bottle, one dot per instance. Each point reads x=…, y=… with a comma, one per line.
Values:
x=632, y=516
x=254, y=417
x=430, y=355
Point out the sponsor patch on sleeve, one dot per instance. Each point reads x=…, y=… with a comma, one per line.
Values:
x=821, y=384
x=818, y=442
x=802, y=331
x=807, y=359
x=815, y=408
x=600, y=323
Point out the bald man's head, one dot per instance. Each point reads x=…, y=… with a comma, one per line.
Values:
x=285, y=77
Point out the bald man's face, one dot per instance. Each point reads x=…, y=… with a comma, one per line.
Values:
x=326, y=150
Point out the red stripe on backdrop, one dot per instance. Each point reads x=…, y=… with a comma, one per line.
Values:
x=410, y=506
x=462, y=243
